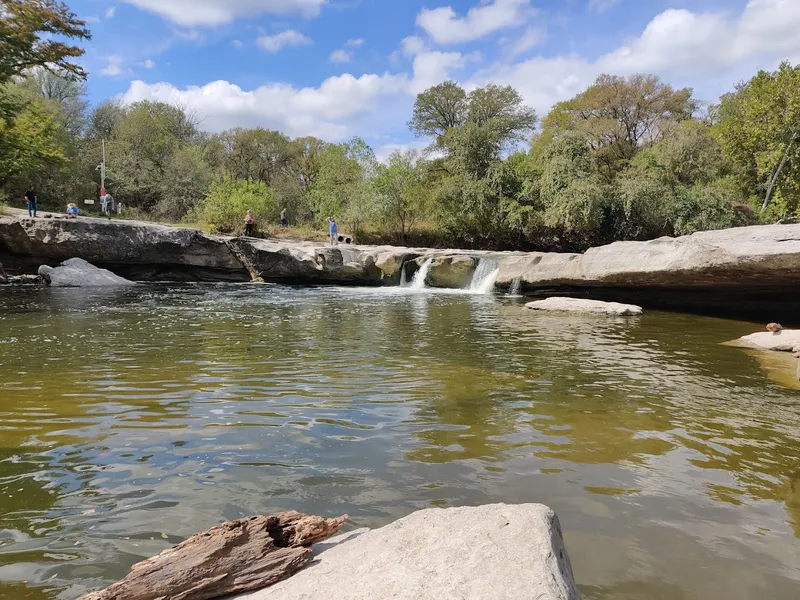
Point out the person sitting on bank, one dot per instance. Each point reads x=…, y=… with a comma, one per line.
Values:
x=334, y=231
x=72, y=210
x=284, y=220
x=32, y=201
x=249, y=224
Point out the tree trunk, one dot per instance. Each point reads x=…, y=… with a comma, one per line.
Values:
x=237, y=556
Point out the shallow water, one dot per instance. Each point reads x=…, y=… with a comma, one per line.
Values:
x=133, y=419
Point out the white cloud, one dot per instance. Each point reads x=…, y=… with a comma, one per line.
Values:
x=445, y=26
x=113, y=66
x=290, y=37
x=237, y=43
x=355, y=43
x=431, y=68
x=110, y=12
x=340, y=107
x=413, y=45
x=149, y=64
x=219, y=12
x=341, y=56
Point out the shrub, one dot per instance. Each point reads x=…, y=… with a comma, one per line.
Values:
x=228, y=200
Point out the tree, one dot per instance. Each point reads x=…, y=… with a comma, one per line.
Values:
x=619, y=116
x=31, y=33
x=403, y=194
x=28, y=143
x=343, y=187
x=438, y=109
x=759, y=126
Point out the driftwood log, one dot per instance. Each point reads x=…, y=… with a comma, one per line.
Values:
x=237, y=556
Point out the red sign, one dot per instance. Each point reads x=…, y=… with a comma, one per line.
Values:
x=102, y=191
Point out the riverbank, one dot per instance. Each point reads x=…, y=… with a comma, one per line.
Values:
x=745, y=269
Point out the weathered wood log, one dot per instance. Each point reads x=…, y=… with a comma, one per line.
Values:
x=237, y=556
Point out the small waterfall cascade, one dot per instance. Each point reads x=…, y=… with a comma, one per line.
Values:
x=403, y=278
x=516, y=287
x=485, y=277
x=418, y=281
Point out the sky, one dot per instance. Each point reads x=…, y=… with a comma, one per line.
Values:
x=342, y=68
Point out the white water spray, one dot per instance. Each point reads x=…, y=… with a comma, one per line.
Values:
x=516, y=287
x=485, y=277
x=418, y=282
x=403, y=278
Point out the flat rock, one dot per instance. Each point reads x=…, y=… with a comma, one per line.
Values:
x=580, y=305
x=785, y=340
x=494, y=552
x=76, y=272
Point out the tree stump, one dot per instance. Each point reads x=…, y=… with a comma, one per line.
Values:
x=237, y=556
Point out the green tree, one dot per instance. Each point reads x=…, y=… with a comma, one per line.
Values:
x=759, y=125
x=403, y=195
x=439, y=109
x=228, y=201
x=619, y=116
x=344, y=186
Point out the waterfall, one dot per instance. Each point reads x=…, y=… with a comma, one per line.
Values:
x=418, y=282
x=403, y=278
x=485, y=277
x=516, y=287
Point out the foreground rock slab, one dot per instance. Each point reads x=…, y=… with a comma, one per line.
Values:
x=76, y=272
x=234, y=557
x=495, y=552
x=580, y=305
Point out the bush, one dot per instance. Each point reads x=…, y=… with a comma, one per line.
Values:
x=228, y=200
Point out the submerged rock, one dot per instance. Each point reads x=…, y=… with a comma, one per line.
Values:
x=76, y=272
x=581, y=305
x=495, y=552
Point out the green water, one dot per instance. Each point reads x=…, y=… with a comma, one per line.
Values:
x=130, y=420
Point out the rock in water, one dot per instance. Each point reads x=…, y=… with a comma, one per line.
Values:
x=579, y=305
x=495, y=552
x=785, y=340
x=76, y=272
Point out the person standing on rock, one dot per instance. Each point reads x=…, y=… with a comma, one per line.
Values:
x=284, y=220
x=32, y=201
x=249, y=224
x=334, y=230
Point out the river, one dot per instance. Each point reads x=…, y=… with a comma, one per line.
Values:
x=132, y=419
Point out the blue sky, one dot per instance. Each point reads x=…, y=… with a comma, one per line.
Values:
x=338, y=68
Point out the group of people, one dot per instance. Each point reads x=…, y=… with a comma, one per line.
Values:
x=250, y=225
x=107, y=204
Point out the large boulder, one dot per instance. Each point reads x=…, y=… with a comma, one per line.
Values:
x=76, y=272
x=453, y=271
x=495, y=552
x=581, y=305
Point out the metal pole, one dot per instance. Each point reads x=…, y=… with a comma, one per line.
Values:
x=103, y=167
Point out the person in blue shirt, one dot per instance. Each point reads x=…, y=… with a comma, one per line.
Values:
x=334, y=230
x=72, y=210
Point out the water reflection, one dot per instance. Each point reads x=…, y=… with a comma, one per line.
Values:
x=132, y=420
